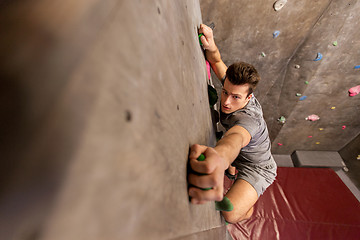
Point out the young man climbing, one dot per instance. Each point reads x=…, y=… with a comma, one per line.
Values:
x=245, y=145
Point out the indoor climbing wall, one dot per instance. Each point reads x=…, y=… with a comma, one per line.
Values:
x=306, y=53
x=100, y=102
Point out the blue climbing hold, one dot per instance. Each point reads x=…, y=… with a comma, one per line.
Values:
x=357, y=67
x=276, y=34
x=303, y=98
x=319, y=56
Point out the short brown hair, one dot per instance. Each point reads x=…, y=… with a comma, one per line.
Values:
x=240, y=73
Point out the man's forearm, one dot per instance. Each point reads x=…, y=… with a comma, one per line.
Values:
x=213, y=56
x=230, y=145
x=228, y=148
x=216, y=62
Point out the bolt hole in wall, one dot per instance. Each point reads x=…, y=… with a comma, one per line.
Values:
x=128, y=116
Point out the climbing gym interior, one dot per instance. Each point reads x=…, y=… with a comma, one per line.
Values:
x=101, y=101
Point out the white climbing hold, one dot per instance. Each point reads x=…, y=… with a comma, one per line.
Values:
x=297, y=66
x=278, y=5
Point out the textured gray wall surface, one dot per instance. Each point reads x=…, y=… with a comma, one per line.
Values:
x=100, y=101
x=351, y=156
x=244, y=29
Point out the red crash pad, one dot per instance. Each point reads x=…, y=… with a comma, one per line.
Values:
x=303, y=203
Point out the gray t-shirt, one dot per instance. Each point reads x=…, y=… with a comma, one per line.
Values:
x=251, y=118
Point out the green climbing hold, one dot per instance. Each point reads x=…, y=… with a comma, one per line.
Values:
x=306, y=82
x=225, y=205
x=335, y=43
x=201, y=157
x=200, y=39
x=282, y=119
x=213, y=97
x=298, y=94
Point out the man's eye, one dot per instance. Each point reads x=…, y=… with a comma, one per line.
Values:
x=236, y=97
x=224, y=92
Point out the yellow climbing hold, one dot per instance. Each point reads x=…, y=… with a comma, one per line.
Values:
x=321, y=129
x=317, y=143
x=332, y=108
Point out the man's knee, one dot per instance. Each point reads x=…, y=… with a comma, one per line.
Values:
x=235, y=217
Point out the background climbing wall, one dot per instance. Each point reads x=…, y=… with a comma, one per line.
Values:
x=244, y=30
x=100, y=101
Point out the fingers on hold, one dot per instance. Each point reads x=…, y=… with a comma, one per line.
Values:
x=196, y=150
x=201, y=29
x=203, y=167
x=199, y=196
x=204, y=181
x=204, y=41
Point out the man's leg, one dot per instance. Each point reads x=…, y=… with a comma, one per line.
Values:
x=243, y=196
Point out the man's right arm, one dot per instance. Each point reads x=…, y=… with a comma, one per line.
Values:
x=212, y=52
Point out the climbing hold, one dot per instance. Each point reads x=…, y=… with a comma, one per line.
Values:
x=321, y=129
x=208, y=69
x=332, y=108
x=282, y=119
x=224, y=205
x=354, y=91
x=358, y=157
x=345, y=169
x=279, y=144
x=278, y=5
x=306, y=82
x=302, y=98
x=312, y=117
x=335, y=43
x=263, y=54
x=343, y=127
x=298, y=94
x=319, y=56
x=297, y=66
x=200, y=35
x=309, y=136
x=276, y=34
x=357, y=67
x=317, y=143
x=201, y=157
x=213, y=97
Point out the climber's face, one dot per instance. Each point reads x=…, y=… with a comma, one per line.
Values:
x=234, y=97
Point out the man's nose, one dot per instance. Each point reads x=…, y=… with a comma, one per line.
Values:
x=227, y=99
